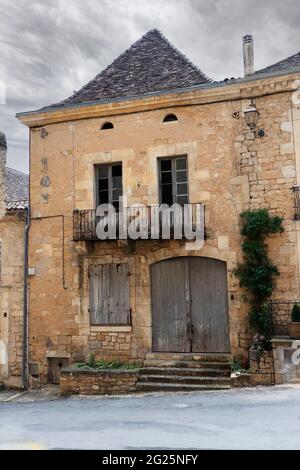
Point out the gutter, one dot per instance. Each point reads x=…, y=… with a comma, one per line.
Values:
x=25, y=304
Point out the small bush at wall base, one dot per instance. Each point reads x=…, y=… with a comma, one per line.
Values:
x=102, y=364
x=236, y=367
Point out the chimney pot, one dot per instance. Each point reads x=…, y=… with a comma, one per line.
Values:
x=248, y=55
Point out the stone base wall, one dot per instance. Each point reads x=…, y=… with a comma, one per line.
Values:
x=97, y=382
x=262, y=368
x=111, y=343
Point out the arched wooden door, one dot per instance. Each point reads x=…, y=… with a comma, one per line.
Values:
x=189, y=305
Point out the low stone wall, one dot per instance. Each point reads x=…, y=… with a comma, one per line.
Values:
x=86, y=381
x=262, y=368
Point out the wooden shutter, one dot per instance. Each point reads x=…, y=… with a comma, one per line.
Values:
x=109, y=294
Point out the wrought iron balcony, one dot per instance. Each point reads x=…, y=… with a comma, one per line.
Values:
x=187, y=220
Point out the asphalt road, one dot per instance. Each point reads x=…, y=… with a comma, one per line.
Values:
x=262, y=418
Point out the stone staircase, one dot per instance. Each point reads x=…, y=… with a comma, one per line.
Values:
x=173, y=372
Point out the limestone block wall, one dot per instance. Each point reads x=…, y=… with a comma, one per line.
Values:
x=230, y=170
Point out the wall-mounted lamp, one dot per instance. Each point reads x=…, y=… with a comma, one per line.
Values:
x=251, y=115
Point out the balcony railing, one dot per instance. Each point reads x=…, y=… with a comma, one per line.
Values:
x=85, y=223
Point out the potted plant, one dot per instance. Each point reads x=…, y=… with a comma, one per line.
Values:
x=294, y=325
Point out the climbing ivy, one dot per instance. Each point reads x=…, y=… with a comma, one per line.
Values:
x=257, y=273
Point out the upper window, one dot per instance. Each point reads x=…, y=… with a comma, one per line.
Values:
x=107, y=125
x=109, y=184
x=173, y=180
x=170, y=117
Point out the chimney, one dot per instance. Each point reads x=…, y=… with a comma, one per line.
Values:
x=248, y=54
x=3, y=149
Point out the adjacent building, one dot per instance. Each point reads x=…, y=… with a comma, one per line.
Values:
x=13, y=208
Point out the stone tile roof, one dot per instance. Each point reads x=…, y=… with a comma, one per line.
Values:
x=151, y=64
x=285, y=65
x=17, y=189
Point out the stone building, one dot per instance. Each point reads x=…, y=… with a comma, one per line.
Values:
x=153, y=128
x=13, y=205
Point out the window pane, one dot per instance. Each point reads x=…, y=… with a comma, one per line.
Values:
x=166, y=177
x=166, y=194
x=180, y=163
x=182, y=188
x=116, y=170
x=117, y=182
x=116, y=194
x=103, y=171
x=103, y=197
x=103, y=184
x=165, y=165
x=181, y=176
x=182, y=200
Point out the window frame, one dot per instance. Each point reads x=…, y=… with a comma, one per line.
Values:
x=173, y=159
x=110, y=186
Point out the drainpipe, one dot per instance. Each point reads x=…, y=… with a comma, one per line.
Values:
x=25, y=304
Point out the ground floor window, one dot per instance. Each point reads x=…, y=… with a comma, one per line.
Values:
x=109, y=294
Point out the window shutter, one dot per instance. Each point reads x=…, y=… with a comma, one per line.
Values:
x=109, y=294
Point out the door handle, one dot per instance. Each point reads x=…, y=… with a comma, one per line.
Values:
x=192, y=328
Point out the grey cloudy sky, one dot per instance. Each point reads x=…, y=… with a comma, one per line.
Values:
x=51, y=47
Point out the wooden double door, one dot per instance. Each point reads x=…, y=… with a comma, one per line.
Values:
x=190, y=305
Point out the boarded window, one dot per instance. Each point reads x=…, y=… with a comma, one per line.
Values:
x=109, y=294
x=109, y=184
x=173, y=180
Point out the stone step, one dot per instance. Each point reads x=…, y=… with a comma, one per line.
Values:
x=168, y=387
x=185, y=380
x=186, y=364
x=202, y=357
x=186, y=371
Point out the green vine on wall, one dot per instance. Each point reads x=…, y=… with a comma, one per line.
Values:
x=257, y=273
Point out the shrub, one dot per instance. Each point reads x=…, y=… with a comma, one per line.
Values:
x=257, y=273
